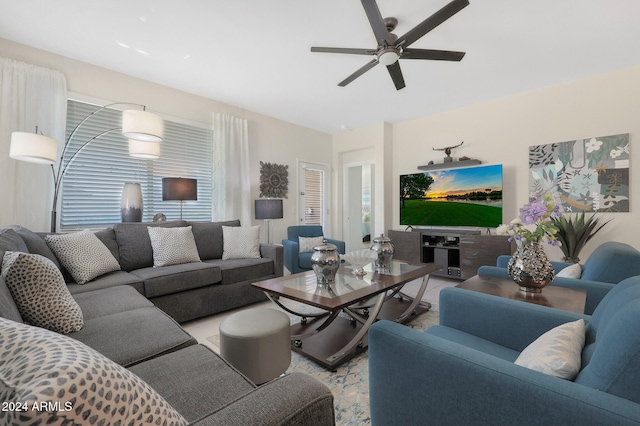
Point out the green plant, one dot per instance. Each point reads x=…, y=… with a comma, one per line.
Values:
x=574, y=234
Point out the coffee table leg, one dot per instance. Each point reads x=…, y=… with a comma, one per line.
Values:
x=417, y=300
x=357, y=339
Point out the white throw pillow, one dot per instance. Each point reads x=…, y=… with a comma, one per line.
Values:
x=172, y=246
x=558, y=352
x=241, y=242
x=40, y=293
x=574, y=271
x=83, y=386
x=82, y=254
x=306, y=244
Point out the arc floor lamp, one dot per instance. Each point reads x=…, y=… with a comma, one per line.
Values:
x=143, y=129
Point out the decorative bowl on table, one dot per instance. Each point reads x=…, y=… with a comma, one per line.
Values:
x=359, y=259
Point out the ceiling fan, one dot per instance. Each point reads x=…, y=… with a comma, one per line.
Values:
x=391, y=47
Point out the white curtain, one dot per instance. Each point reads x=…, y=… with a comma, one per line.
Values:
x=30, y=96
x=231, y=172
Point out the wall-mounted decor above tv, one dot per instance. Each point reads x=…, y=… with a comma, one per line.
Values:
x=469, y=196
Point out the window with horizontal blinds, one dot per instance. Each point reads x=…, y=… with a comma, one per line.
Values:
x=92, y=186
x=313, y=197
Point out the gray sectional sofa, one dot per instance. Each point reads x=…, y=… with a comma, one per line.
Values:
x=122, y=325
x=185, y=291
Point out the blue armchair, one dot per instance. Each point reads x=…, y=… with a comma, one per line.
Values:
x=295, y=261
x=462, y=371
x=608, y=264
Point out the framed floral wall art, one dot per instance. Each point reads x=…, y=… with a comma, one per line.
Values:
x=590, y=175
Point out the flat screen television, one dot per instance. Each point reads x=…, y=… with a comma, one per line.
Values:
x=469, y=197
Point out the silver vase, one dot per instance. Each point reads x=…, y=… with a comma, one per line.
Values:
x=325, y=262
x=530, y=268
x=382, y=245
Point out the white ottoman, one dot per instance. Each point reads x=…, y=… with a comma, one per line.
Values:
x=257, y=342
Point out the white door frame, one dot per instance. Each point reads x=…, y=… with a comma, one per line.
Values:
x=347, y=197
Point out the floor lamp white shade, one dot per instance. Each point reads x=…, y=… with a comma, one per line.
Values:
x=33, y=148
x=142, y=126
x=139, y=149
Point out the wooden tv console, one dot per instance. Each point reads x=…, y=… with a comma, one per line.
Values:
x=459, y=252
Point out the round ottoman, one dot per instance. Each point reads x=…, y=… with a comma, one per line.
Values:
x=257, y=342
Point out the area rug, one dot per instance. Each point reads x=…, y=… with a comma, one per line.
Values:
x=350, y=383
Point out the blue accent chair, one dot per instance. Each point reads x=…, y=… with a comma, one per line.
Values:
x=295, y=261
x=608, y=264
x=462, y=371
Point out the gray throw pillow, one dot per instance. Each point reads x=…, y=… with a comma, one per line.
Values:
x=83, y=255
x=40, y=293
x=83, y=386
x=172, y=246
x=10, y=240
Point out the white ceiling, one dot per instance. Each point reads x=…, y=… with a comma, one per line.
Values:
x=255, y=54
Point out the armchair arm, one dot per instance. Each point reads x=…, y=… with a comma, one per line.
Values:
x=276, y=253
x=290, y=255
x=415, y=378
x=294, y=399
x=492, y=318
x=339, y=244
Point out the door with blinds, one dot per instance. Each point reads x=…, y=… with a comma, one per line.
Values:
x=313, y=203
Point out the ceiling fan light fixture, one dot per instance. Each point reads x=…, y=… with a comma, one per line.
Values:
x=388, y=56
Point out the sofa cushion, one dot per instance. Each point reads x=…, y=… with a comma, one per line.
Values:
x=40, y=293
x=208, y=236
x=133, y=336
x=238, y=270
x=36, y=244
x=108, y=238
x=176, y=278
x=134, y=243
x=112, y=279
x=198, y=365
x=82, y=254
x=172, y=246
x=241, y=242
x=557, y=352
x=112, y=300
x=8, y=308
x=40, y=366
x=11, y=241
x=473, y=342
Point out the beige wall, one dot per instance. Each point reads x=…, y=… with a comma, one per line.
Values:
x=500, y=132
x=271, y=140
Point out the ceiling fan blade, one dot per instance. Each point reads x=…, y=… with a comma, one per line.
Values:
x=432, y=22
x=358, y=73
x=347, y=50
x=434, y=55
x=396, y=75
x=377, y=22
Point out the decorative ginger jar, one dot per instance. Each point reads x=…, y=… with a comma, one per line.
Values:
x=325, y=262
x=382, y=245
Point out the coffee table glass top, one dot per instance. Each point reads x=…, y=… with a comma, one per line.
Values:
x=347, y=287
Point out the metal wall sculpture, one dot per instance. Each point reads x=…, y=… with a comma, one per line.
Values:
x=274, y=180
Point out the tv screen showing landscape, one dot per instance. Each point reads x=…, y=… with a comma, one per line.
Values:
x=452, y=197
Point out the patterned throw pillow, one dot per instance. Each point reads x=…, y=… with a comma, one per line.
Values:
x=55, y=380
x=172, y=246
x=39, y=291
x=82, y=254
x=558, y=352
x=306, y=244
x=241, y=242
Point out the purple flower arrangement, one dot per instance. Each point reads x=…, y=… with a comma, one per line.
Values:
x=535, y=222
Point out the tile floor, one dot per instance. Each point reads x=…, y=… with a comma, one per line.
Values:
x=203, y=328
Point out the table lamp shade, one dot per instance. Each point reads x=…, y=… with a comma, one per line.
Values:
x=33, y=148
x=179, y=189
x=142, y=126
x=268, y=209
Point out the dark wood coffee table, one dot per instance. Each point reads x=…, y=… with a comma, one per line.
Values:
x=326, y=336
x=568, y=299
